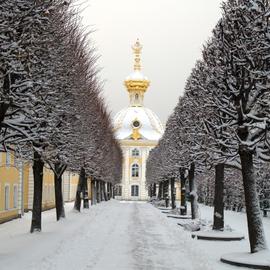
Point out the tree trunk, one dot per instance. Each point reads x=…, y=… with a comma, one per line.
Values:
x=160, y=190
x=85, y=192
x=37, y=200
x=59, y=201
x=102, y=191
x=155, y=190
x=193, y=192
x=183, y=208
x=166, y=192
x=151, y=191
x=172, y=193
x=3, y=110
x=219, y=198
x=98, y=191
x=109, y=191
x=4, y=105
x=77, y=204
x=107, y=188
x=255, y=226
x=113, y=192
x=164, y=189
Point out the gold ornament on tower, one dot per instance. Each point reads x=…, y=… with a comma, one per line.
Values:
x=136, y=83
x=137, y=48
x=136, y=125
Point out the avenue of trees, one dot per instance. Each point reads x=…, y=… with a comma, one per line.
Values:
x=51, y=109
x=218, y=133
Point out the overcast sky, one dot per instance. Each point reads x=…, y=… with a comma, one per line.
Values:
x=172, y=33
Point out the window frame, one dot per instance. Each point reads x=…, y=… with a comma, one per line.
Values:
x=135, y=190
x=118, y=190
x=8, y=158
x=135, y=152
x=15, y=198
x=7, y=197
x=135, y=170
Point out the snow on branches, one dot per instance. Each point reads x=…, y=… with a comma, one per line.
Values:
x=223, y=119
x=51, y=109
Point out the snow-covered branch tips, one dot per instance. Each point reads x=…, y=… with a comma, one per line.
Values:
x=51, y=109
x=223, y=119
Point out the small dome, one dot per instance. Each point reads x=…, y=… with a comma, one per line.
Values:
x=143, y=118
x=136, y=76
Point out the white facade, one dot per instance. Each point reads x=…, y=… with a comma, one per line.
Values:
x=133, y=186
x=136, y=151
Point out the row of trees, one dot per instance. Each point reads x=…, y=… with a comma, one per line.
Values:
x=233, y=193
x=223, y=119
x=51, y=109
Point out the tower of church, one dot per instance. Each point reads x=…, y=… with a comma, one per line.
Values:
x=138, y=130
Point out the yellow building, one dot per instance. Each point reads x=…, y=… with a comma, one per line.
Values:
x=177, y=190
x=17, y=187
x=9, y=187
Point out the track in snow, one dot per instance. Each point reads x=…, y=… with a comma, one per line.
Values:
x=111, y=235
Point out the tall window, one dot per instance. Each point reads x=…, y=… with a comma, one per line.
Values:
x=8, y=158
x=134, y=190
x=15, y=196
x=6, y=197
x=135, y=152
x=118, y=191
x=135, y=170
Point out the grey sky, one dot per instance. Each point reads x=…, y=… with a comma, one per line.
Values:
x=172, y=33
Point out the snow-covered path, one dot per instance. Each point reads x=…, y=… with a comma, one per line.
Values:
x=111, y=235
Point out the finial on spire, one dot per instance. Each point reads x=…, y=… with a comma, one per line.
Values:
x=137, y=48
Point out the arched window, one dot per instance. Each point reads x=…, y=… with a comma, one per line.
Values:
x=135, y=152
x=135, y=170
x=8, y=158
x=15, y=196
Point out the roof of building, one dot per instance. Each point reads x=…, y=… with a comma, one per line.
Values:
x=137, y=122
x=149, y=127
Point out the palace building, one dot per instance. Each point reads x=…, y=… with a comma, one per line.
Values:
x=17, y=187
x=138, y=130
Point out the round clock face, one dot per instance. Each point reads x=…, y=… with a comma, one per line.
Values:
x=136, y=123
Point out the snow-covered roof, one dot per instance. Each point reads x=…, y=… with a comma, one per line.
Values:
x=150, y=125
x=136, y=75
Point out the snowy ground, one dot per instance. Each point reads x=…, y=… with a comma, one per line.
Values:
x=114, y=235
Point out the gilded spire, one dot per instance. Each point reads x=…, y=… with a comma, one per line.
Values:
x=137, y=48
x=136, y=83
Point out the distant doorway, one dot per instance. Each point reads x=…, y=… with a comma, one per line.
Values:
x=134, y=190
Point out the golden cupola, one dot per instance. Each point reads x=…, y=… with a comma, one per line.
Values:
x=136, y=83
x=136, y=122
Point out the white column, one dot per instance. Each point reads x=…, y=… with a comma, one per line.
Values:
x=69, y=187
x=30, y=188
x=127, y=175
x=20, y=188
